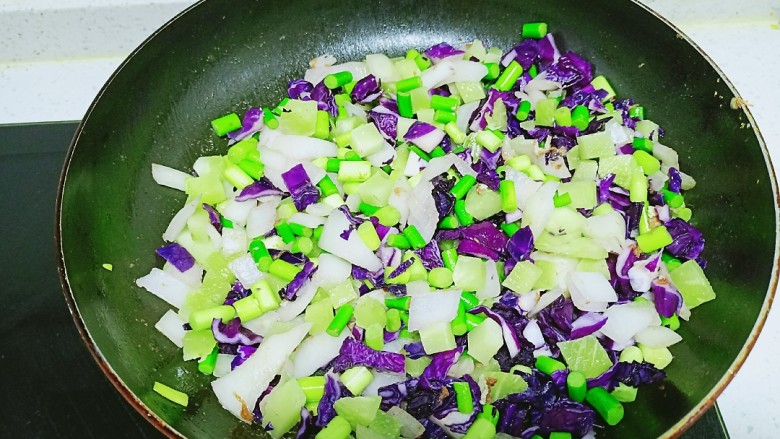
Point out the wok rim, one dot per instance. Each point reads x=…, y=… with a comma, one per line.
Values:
x=674, y=431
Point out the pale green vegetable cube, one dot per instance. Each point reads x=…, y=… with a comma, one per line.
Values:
x=437, y=338
x=522, y=277
x=282, y=408
x=692, y=284
x=485, y=340
x=596, y=145
x=470, y=91
x=658, y=357
x=623, y=166
x=376, y=190
x=469, y=273
x=587, y=170
x=585, y=355
x=360, y=410
x=301, y=119
x=343, y=293
x=482, y=203
x=366, y=140
x=582, y=192
x=319, y=314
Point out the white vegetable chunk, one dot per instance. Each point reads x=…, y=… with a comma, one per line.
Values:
x=590, y=291
x=351, y=249
x=171, y=326
x=165, y=286
x=179, y=221
x=626, y=320
x=432, y=307
x=246, y=270
x=261, y=218
x=657, y=337
x=316, y=352
x=238, y=390
x=172, y=178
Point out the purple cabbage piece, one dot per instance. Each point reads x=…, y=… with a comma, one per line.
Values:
x=485, y=175
x=635, y=374
x=250, y=124
x=441, y=51
x=688, y=241
x=440, y=365
x=214, y=217
x=177, y=255
x=432, y=430
x=261, y=188
x=430, y=255
x=306, y=422
x=401, y=269
x=587, y=324
x=386, y=123
x=666, y=298
x=491, y=159
x=301, y=188
x=524, y=53
x=354, y=353
x=299, y=89
x=521, y=244
x=675, y=180
x=325, y=99
x=444, y=200
x=555, y=322
x=587, y=96
x=424, y=135
x=291, y=290
x=415, y=350
x=570, y=70
x=242, y=354
x=548, y=51
x=366, y=90
x=233, y=333
x=485, y=233
x=394, y=394
x=236, y=293
x=334, y=390
x=473, y=248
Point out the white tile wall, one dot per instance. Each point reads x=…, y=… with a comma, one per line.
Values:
x=56, y=54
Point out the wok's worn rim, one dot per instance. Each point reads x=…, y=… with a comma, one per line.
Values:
x=675, y=431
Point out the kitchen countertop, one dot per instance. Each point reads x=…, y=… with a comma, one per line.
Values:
x=56, y=54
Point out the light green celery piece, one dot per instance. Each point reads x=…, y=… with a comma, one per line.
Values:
x=565, y=220
x=427, y=115
x=360, y=410
x=485, y=340
x=497, y=120
x=585, y=355
x=416, y=367
x=437, y=338
x=376, y=190
x=482, y=203
x=209, y=165
x=347, y=124
x=198, y=344
x=624, y=393
x=469, y=273
x=574, y=247
x=286, y=209
x=399, y=162
x=658, y=357
x=549, y=277
x=198, y=225
x=504, y=384
x=369, y=311
x=545, y=112
x=363, y=432
x=200, y=250
x=587, y=170
x=596, y=145
x=384, y=426
x=282, y=408
x=366, y=140
x=522, y=277
x=693, y=285
x=470, y=91
x=623, y=166
x=573, y=157
x=407, y=68
x=582, y=192
x=208, y=187
x=594, y=265
x=319, y=314
x=647, y=127
x=421, y=100
x=342, y=293
x=475, y=49
x=301, y=119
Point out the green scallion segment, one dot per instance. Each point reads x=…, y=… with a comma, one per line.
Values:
x=642, y=144
x=463, y=397
x=336, y=80
x=464, y=217
x=577, y=386
x=508, y=196
x=493, y=71
x=463, y=185
x=207, y=364
x=610, y=409
x=340, y=320
x=413, y=236
x=534, y=30
x=509, y=76
x=548, y=365
x=226, y=124
x=398, y=241
x=405, y=104
x=171, y=394
x=523, y=110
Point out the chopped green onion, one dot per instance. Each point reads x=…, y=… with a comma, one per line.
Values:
x=341, y=99
x=252, y=167
x=265, y=296
x=420, y=153
x=225, y=124
x=445, y=117
x=340, y=320
x=327, y=186
x=450, y=258
x=333, y=165
x=673, y=199
x=171, y=394
x=444, y=103
x=247, y=309
x=313, y=387
x=459, y=325
x=202, y=319
x=580, y=117
x=464, y=217
x=563, y=117
x=474, y=320
x=455, y=133
x=463, y=185
x=469, y=300
x=672, y=322
x=405, y=104
x=437, y=152
x=303, y=244
x=207, y=364
x=398, y=241
x=523, y=110
x=356, y=379
x=388, y=216
x=548, y=365
x=508, y=196
x=285, y=232
x=605, y=404
x=336, y=80
x=322, y=126
x=637, y=112
x=560, y=435
x=493, y=71
x=270, y=120
x=561, y=200
x=642, y=144
x=649, y=164
x=413, y=236
x=408, y=84
x=534, y=30
x=509, y=76
x=577, y=385
x=284, y=270
x=368, y=235
x=449, y=222
x=463, y=396
x=399, y=303
x=510, y=228
x=367, y=209
x=299, y=230
x=393, y=320
x=481, y=428
x=337, y=428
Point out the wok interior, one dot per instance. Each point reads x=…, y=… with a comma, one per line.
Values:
x=224, y=56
